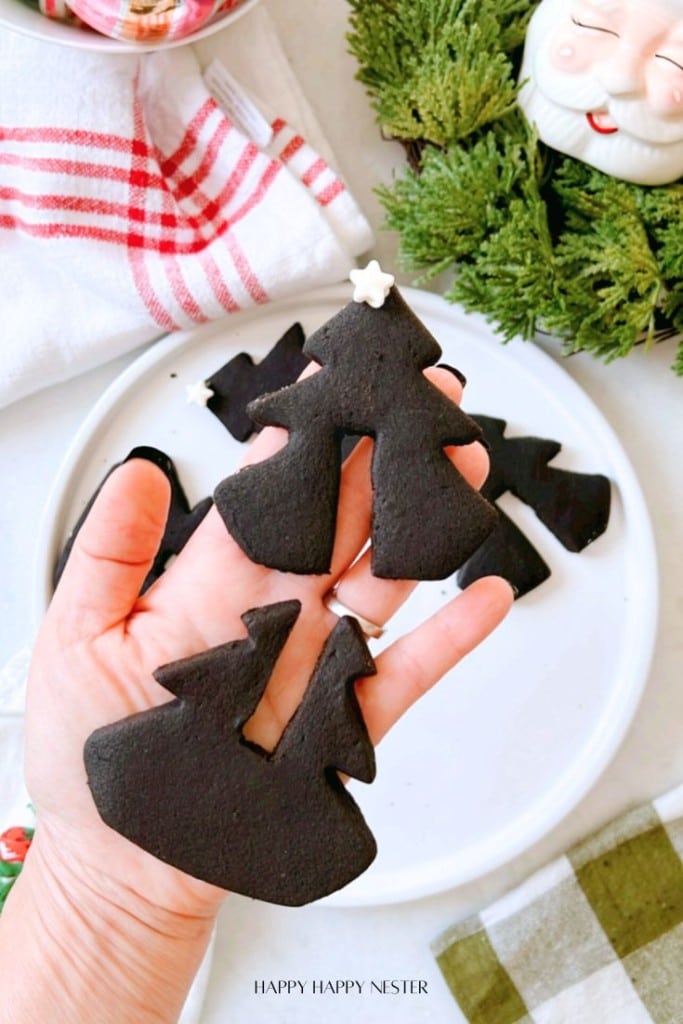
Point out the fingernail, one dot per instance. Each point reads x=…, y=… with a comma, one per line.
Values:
x=456, y=373
x=150, y=454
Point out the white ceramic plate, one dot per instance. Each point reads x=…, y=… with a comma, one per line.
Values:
x=20, y=17
x=507, y=744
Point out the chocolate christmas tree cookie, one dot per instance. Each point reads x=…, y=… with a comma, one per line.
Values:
x=181, y=522
x=573, y=506
x=181, y=781
x=426, y=518
x=241, y=380
x=508, y=553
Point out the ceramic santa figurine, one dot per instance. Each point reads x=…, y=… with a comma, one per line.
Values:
x=603, y=82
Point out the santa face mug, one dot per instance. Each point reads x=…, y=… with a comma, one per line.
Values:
x=603, y=82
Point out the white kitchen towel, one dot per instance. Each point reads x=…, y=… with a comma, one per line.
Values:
x=134, y=201
x=15, y=809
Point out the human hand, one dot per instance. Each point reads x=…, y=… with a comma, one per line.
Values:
x=100, y=643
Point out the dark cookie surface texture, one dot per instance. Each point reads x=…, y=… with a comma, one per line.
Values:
x=181, y=781
x=508, y=553
x=573, y=506
x=241, y=380
x=426, y=519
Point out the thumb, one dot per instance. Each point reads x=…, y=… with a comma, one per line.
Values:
x=112, y=553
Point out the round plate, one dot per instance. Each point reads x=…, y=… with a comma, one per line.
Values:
x=510, y=741
x=22, y=18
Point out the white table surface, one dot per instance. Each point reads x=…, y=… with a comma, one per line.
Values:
x=641, y=399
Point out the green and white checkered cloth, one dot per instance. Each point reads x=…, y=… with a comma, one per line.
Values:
x=595, y=937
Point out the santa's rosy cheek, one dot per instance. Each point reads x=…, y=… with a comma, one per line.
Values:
x=570, y=55
x=665, y=95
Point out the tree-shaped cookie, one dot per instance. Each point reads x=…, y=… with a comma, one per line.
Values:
x=181, y=781
x=241, y=380
x=573, y=506
x=506, y=552
x=426, y=519
x=181, y=522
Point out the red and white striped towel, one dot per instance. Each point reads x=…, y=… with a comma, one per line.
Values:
x=132, y=205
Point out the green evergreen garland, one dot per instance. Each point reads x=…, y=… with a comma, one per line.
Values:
x=538, y=241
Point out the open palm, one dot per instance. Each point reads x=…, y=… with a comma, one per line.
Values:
x=100, y=642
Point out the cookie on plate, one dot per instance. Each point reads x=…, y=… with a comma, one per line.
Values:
x=241, y=380
x=573, y=506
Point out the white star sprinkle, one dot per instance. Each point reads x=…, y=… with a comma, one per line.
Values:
x=371, y=285
x=198, y=394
